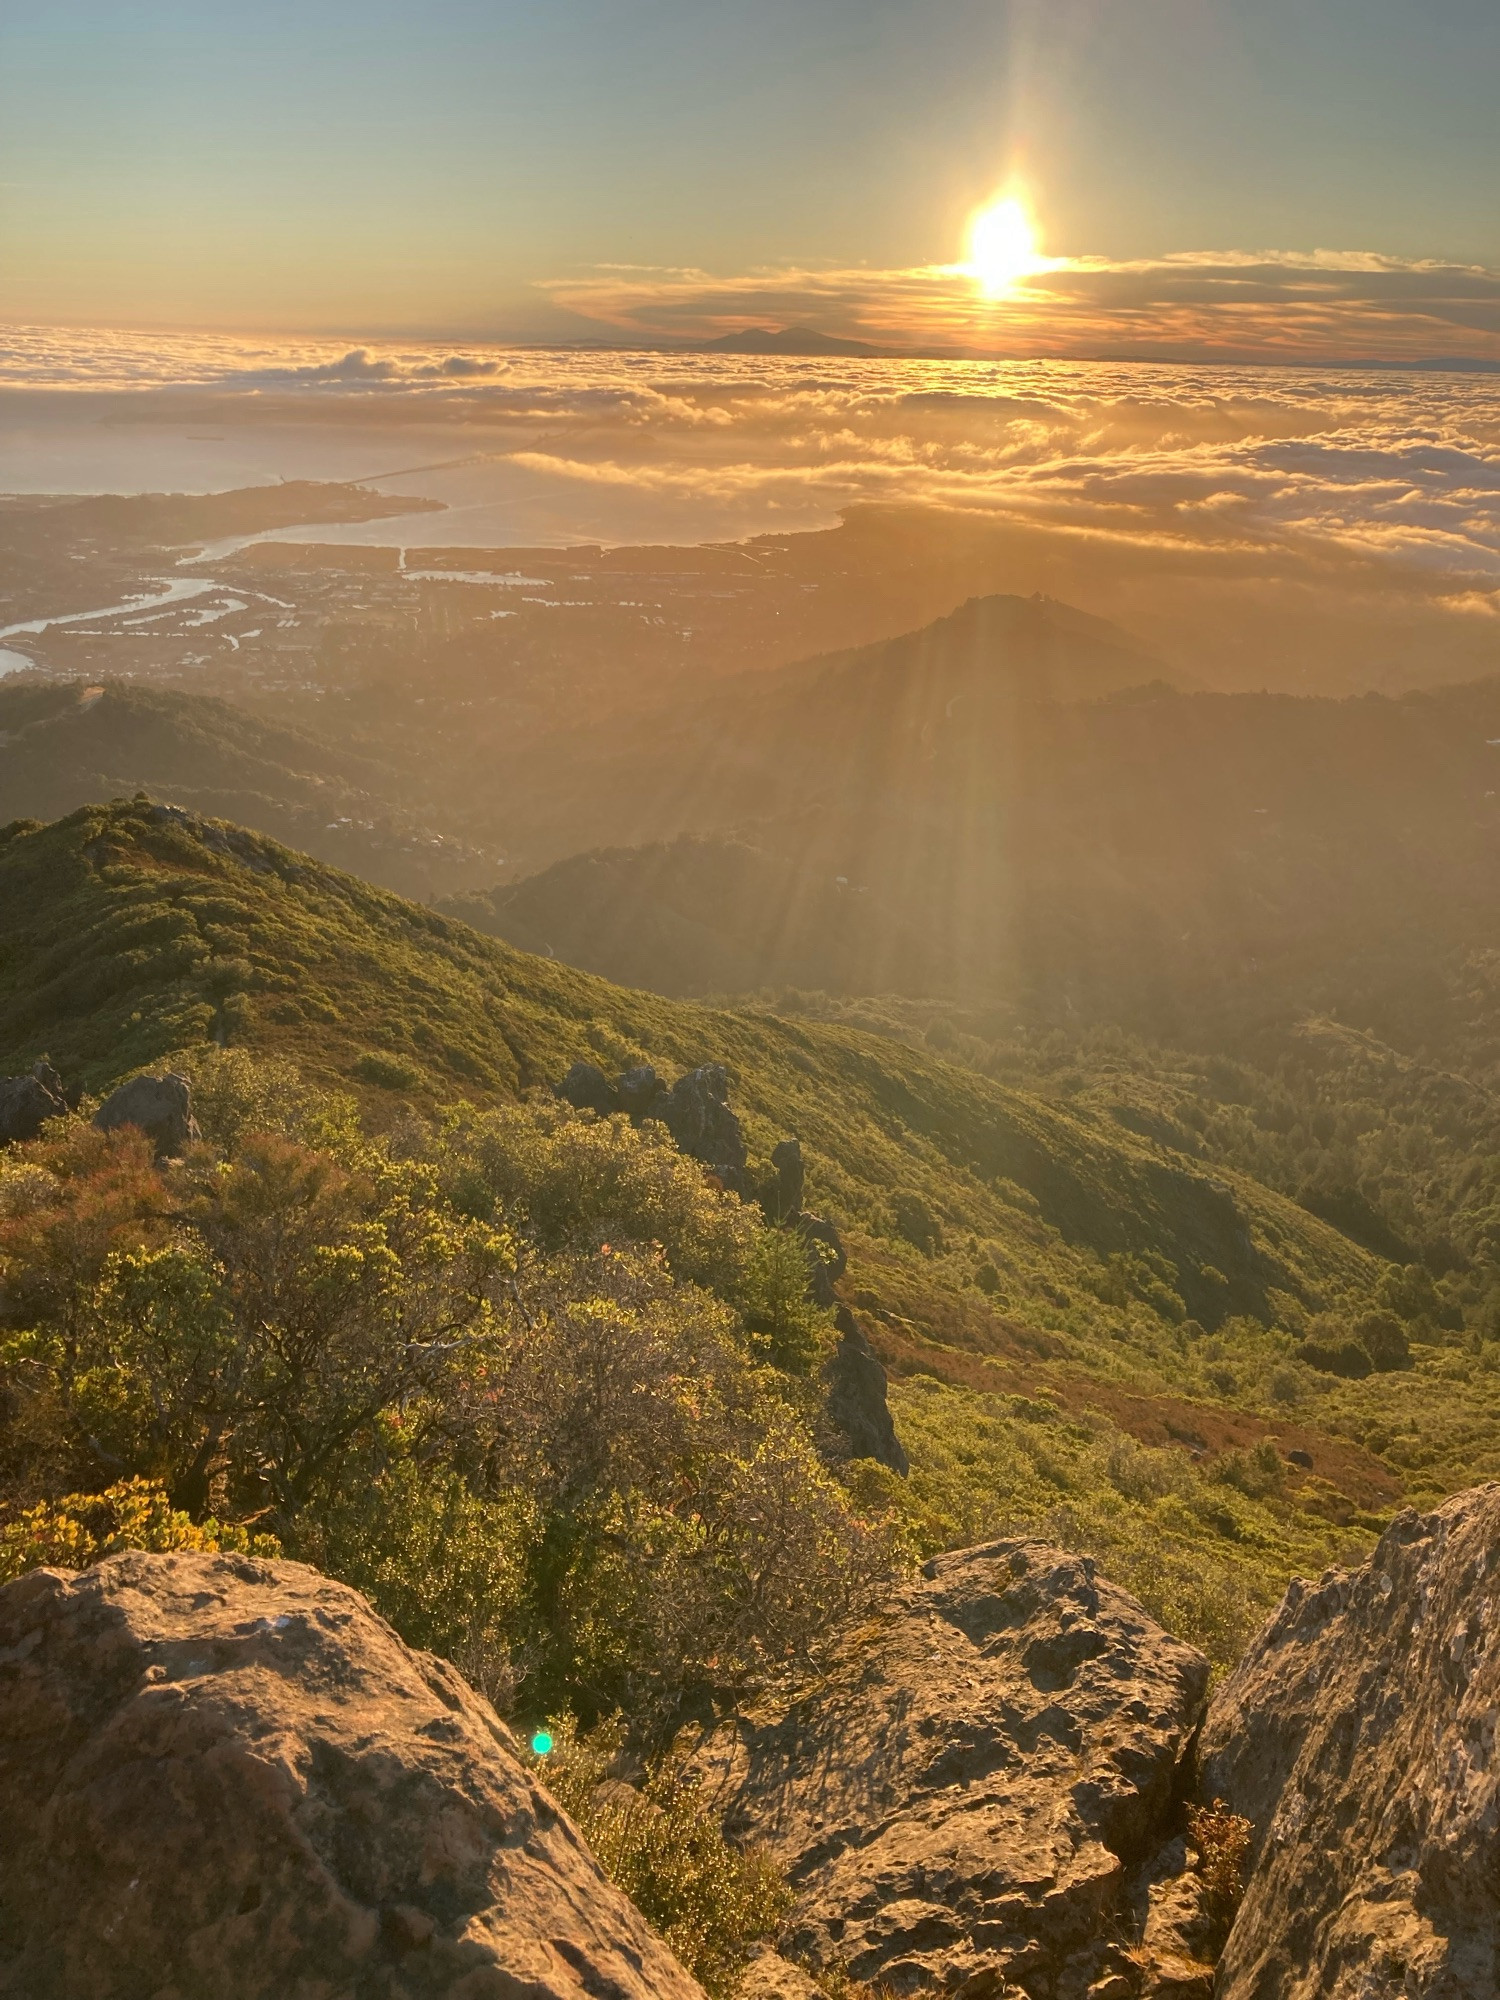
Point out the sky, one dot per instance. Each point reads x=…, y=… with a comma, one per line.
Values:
x=1274, y=179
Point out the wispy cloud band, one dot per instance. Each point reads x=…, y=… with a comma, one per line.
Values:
x=1327, y=306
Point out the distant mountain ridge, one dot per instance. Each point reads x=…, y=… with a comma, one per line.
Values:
x=63, y=745
x=1030, y=826
x=792, y=340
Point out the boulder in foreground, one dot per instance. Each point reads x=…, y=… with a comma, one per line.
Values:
x=161, y=1106
x=961, y=1801
x=223, y=1776
x=1358, y=1737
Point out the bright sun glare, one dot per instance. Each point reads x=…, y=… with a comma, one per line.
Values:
x=1003, y=245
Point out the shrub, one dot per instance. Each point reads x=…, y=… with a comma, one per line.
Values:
x=445, y=1565
x=574, y=1182
x=237, y=1094
x=1221, y=1841
x=917, y=1224
x=572, y=1470
x=83, y=1528
x=1259, y=1472
x=1285, y=1386
x=386, y=1072
x=790, y=1330
x=709, y=1900
x=1384, y=1339
x=1331, y=1356
x=687, y=1537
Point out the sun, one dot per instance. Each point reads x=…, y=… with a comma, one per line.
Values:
x=1003, y=246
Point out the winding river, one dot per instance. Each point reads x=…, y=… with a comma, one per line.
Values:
x=169, y=593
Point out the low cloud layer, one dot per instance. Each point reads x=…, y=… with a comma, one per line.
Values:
x=1200, y=503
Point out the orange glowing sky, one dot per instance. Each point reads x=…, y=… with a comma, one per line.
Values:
x=1276, y=179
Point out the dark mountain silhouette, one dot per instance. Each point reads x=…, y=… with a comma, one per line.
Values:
x=789, y=340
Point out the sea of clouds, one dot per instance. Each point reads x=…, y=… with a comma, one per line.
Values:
x=1370, y=492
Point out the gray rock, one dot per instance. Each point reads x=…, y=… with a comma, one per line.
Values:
x=27, y=1102
x=162, y=1106
x=698, y=1116
x=825, y=1271
x=222, y=1776
x=1357, y=1736
x=782, y=1197
x=855, y=1399
x=587, y=1088
x=642, y=1092
x=960, y=1801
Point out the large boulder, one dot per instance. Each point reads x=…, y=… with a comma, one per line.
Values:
x=961, y=1801
x=854, y=1383
x=27, y=1102
x=587, y=1088
x=641, y=1092
x=223, y=1776
x=698, y=1116
x=161, y=1106
x=781, y=1196
x=1358, y=1738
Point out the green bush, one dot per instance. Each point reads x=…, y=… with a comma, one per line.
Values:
x=83, y=1528
x=916, y=1222
x=1348, y=1358
x=548, y=1456
x=387, y=1072
x=792, y=1332
x=709, y=1900
x=1384, y=1339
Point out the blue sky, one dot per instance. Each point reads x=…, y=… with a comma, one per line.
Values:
x=378, y=166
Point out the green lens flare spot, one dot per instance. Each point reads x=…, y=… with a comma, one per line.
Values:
x=541, y=1743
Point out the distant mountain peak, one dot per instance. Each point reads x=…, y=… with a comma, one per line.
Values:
x=799, y=340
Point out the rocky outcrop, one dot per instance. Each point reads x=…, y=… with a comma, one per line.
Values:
x=696, y=1112
x=961, y=1802
x=27, y=1102
x=226, y=1776
x=781, y=1197
x=587, y=1088
x=826, y=1258
x=641, y=1092
x=162, y=1106
x=854, y=1384
x=1358, y=1738
x=769, y=1976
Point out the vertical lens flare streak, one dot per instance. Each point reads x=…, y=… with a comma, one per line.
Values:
x=1003, y=247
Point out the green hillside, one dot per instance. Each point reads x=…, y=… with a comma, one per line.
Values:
x=1090, y=1329
x=136, y=929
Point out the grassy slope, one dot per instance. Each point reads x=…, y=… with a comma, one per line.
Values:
x=135, y=930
